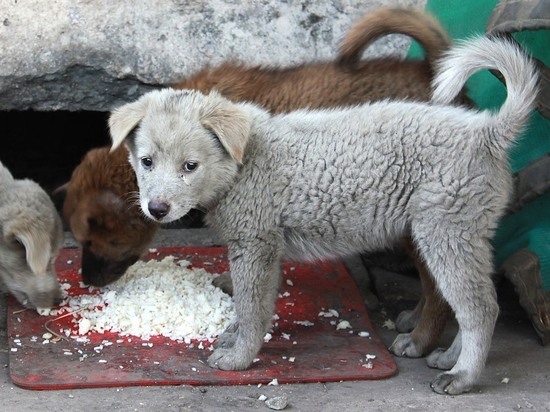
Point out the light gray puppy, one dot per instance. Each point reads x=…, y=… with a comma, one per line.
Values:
x=318, y=184
x=31, y=234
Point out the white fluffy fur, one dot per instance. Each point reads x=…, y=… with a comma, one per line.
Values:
x=30, y=237
x=314, y=184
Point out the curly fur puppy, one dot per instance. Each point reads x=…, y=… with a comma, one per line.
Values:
x=30, y=237
x=318, y=184
x=99, y=206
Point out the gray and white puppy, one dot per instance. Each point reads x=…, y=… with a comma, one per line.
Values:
x=318, y=184
x=31, y=234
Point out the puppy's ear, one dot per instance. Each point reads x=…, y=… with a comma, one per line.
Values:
x=59, y=195
x=125, y=119
x=230, y=122
x=36, y=243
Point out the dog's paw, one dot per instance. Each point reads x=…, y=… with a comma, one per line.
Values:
x=442, y=359
x=451, y=383
x=229, y=359
x=224, y=282
x=404, y=346
x=406, y=321
x=228, y=338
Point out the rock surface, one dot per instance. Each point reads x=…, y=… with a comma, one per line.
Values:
x=89, y=55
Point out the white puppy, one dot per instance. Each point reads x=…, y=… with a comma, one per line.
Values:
x=317, y=184
x=31, y=234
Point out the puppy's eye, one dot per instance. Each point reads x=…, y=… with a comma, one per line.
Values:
x=147, y=162
x=190, y=166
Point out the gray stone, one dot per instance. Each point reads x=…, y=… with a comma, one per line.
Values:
x=89, y=55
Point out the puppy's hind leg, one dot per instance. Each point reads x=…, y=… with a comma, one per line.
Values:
x=461, y=269
x=431, y=315
x=255, y=270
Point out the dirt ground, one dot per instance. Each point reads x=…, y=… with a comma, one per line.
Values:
x=516, y=357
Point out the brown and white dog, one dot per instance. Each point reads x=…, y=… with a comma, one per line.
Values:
x=101, y=207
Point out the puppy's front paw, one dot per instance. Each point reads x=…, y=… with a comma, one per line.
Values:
x=229, y=359
x=442, y=359
x=451, y=383
x=404, y=346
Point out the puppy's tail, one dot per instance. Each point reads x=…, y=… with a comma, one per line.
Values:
x=499, y=54
x=417, y=24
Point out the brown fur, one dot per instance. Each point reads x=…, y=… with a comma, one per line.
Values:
x=113, y=235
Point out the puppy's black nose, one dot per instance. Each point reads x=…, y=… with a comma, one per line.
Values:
x=158, y=209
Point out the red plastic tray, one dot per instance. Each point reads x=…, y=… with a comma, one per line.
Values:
x=321, y=353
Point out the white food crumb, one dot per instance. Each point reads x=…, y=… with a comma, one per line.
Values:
x=47, y=335
x=267, y=337
x=304, y=322
x=389, y=324
x=329, y=314
x=289, y=282
x=152, y=250
x=292, y=359
x=343, y=325
x=364, y=334
x=262, y=398
x=505, y=380
x=274, y=382
x=84, y=326
x=14, y=349
x=43, y=311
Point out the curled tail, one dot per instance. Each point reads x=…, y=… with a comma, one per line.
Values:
x=417, y=24
x=500, y=54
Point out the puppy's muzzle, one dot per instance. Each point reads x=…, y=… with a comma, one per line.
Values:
x=158, y=209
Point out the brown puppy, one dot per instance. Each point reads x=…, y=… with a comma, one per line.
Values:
x=114, y=233
x=99, y=210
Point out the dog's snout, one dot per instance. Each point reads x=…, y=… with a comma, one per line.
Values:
x=158, y=209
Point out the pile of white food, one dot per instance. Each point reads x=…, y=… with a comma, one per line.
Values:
x=157, y=298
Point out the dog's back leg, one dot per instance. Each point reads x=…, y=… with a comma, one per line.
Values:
x=458, y=254
x=432, y=313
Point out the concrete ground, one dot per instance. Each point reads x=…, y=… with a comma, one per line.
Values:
x=516, y=357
